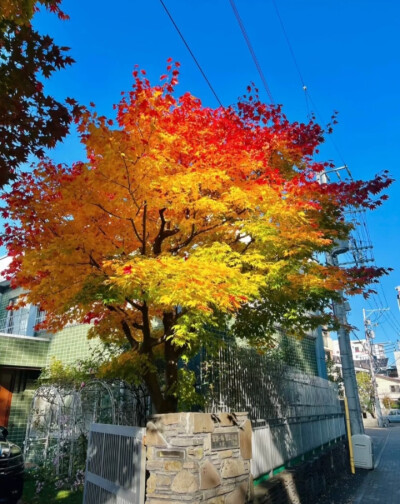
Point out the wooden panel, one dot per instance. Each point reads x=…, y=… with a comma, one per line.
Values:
x=6, y=390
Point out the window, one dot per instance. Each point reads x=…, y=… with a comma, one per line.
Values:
x=10, y=316
x=15, y=321
x=40, y=316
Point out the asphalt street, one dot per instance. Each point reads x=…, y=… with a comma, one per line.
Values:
x=378, y=486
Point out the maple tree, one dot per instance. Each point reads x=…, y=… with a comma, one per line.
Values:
x=30, y=120
x=182, y=218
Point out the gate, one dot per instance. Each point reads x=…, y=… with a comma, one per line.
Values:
x=115, y=465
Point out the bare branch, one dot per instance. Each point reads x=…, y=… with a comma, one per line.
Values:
x=163, y=233
x=108, y=211
x=247, y=245
x=144, y=228
x=135, y=230
x=134, y=304
x=193, y=235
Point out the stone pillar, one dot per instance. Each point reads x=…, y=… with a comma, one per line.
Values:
x=198, y=457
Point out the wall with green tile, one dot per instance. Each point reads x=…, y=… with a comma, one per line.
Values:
x=71, y=344
x=23, y=351
x=35, y=352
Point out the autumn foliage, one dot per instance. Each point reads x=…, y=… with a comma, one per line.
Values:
x=183, y=217
x=30, y=119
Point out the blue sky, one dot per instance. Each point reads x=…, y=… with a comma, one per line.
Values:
x=347, y=52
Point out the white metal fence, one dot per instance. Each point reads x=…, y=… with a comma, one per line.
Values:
x=292, y=413
x=115, y=469
x=276, y=444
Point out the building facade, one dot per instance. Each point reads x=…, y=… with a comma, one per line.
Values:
x=388, y=388
x=359, y=350
x=24, y=352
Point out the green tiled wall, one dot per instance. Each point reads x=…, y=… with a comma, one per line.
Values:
x=23, y=352
x=21, y=404
x=71, y=344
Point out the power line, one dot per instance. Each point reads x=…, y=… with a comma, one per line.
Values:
x=253, y=54
x=362, y=235
x=308, y=97
x=191, y=53
x=361, y=230
x=289, y=45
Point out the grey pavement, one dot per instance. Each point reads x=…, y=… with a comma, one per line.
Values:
x=382, y=485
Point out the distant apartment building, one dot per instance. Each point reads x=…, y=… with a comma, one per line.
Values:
x=361, y=355
x=359, y=349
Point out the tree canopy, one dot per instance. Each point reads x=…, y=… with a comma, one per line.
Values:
x=183, y=217
x=30, y=119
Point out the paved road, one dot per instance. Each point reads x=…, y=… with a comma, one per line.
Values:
x=380, y=486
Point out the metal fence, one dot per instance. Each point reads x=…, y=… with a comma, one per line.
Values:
x=241, y=379
x=292, y=413
x=116, y=463
x=275, y=444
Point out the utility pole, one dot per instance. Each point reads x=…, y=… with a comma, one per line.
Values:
x=368, y=337
x=346, y=356
x=398, y=295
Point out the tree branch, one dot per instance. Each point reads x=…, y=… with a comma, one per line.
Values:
x=144, y=228
x=135, y=230
x=192, y=235
x=163, y=233
x=134, y=304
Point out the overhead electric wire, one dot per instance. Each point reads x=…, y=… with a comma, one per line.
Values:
x=361, y=231
x=305, y=88
x=252, y=52
x=289, y=44
x=391, y=319
x=191, y=53
x=362, y=235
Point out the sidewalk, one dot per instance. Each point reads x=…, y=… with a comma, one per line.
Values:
x=382, y=485
x=379, y=486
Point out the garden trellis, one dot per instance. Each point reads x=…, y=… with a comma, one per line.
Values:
x=60, y=419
